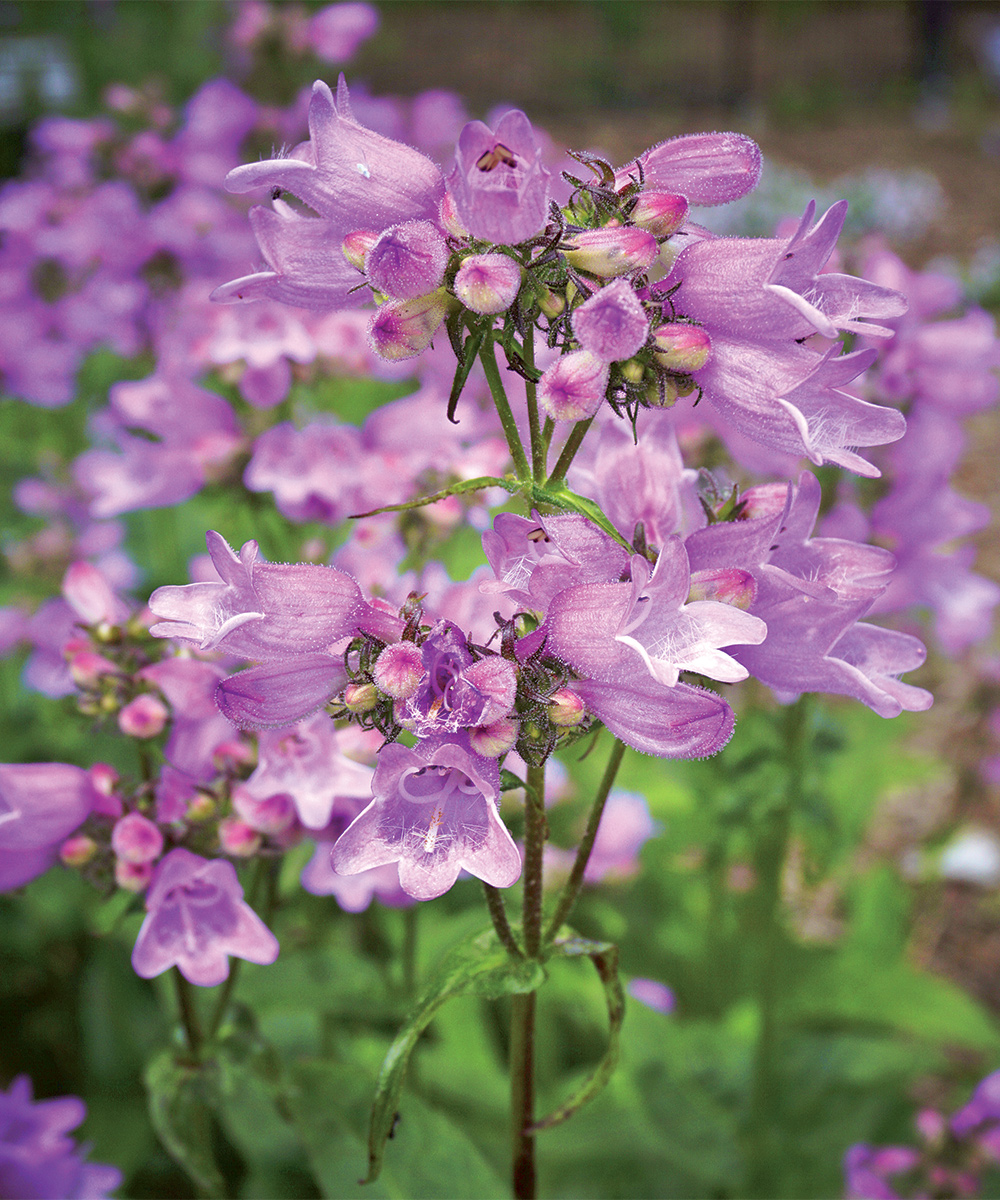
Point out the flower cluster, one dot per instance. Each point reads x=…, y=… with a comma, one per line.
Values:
x=950, y=1160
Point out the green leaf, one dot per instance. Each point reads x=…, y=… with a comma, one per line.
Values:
x=431, y=1157
x=455, y=489
x=481, y=966
x=604, y=956
x=178, y=1107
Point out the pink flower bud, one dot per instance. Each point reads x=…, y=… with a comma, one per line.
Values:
x=237, y=838
x=931, y=1125
x=550, y=302
x=573, y=387
x=271, y=815
x=104, y=780
x=566, y=709
x=200, y=807
x=405, y=328
x=90, y=595
x=495, y=739
x=653, y=994
x=143, y=717
x=133, y=877
x=77, y=851
x=488, y=283
x=612, y=250
x=88, y=668
x=136, y=839
x=612, y=324
x=660, y=213
x=360, y=697
x=356, y=245
x=408, y=260
x=399, y=669
x=681, y=347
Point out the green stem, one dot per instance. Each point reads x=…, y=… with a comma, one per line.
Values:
x=264, y=876
x=498, y=915
x=572, y=887
x=548, y=429
x=539, y=448
x=188, y=1013
x=535, y=829
x=522, y=1094
x=522, y=1030
x=224, y=996
x=577, y=434
x=488, y=357
x=769, y=861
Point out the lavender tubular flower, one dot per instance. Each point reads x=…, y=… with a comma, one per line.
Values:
x=196, y=918
x=435, y=813
x=260, y=610
x=38, y=1161
x=498, y=186
x=40, y=805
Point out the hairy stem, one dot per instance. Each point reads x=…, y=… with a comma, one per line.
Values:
x=520, y=460
x=539, y=447
x=522, y=1032
x=572, y=887
x=577, y=434
x=188, y=1007
x=498, y=915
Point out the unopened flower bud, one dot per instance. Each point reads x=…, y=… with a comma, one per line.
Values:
x=405, y=328
x=133, y=877
x=77, y=851
x=143, y=717
x=360, y=697
x=612, y=324
x=271, y=815
x=494, y=739
x=550, y=302
x=104, y=779
x=574, y=386
x=200, y=807
x=663, y=393
x=88, y=668
x=408, y=260
x=659, y=213
x=399, y=669
x=681, y=347
x=356, y=245
x=611, y=251
x=566, y=708
x=633, y=371
x=488, y=283
x=135, y=839
x=238, y=839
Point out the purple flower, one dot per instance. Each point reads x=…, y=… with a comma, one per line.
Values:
x=336, y=31
x=499, y=187
x=612, y=324
x=574, y=386
x=596, y=628
x=408, y=260
x=457, y=692
x=354, y=179
x=196, y=918
x=40, y=804
x=435, y=813
x=488, y=283
x=867, y=1170
x=37, y=1160
x=707, y=168
x=259, y=610
x=653, y=994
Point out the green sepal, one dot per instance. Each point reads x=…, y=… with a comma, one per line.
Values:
x=455, y=489
x=481, y=966
x=178, y=1094
x=559, y=496
x=466, y=353
x=604, y=956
